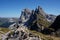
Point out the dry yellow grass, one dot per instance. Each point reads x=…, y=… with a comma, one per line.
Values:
x=5, y=30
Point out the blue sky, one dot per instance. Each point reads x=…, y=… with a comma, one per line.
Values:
x=13, y=8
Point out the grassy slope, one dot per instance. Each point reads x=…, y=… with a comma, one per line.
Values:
x=44, y=37
x=4, y=29
x=42, y=21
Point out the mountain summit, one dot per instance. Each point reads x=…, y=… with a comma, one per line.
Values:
x=35, y=19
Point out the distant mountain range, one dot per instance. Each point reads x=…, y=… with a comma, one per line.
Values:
x=6, y=22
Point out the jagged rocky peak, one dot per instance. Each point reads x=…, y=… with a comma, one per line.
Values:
x=30, y=15
x=26, y=11
x=25, y=14
x=40, y=11
x=39, y=7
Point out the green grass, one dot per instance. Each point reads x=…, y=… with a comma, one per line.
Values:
x=42, y=21
x=0, y=38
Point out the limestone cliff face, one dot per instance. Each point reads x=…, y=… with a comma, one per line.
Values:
x=25, y=15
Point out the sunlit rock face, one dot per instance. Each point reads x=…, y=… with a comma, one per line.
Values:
x=25, y=15
x=40, y=11
x=22, y=33
x=50, y=17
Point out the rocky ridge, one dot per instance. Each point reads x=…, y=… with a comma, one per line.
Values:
x=21, y=33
